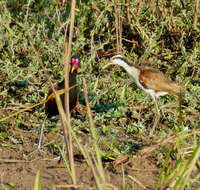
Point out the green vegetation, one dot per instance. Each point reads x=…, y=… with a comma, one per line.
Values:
x=161, y=34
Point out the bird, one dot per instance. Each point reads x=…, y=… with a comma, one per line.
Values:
x=148, y=79
x=50, y=105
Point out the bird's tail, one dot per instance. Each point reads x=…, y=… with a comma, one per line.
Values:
x=176, y=89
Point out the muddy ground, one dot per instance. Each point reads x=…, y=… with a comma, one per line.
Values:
x=20, y=161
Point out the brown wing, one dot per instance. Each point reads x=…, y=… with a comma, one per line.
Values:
x=51, y=106
x=153, y=79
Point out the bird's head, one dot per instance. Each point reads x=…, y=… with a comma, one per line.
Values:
x=117, y=60
x=75, y=64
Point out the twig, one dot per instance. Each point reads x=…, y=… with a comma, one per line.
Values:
x=117, y=28
x=146, y=170
x=41, y=134
x=13, y=161
x=137, y=181
x=67, y=186
x=111, y=186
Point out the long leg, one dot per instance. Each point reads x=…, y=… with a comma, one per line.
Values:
x=157, y=116
x=157, y=108
x=156, y=104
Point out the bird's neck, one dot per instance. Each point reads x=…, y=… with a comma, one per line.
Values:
x=72, y=81
x=132, y=70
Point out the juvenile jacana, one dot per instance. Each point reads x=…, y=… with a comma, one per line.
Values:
x=148, y=79
x=50, y=106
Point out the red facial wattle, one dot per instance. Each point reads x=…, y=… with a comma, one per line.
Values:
x=75, y=62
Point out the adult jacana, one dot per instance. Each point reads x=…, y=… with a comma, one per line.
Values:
x=148, y=79
x=50, y=106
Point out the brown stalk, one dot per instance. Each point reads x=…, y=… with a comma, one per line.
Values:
x=65, y=121
x=137, y=181
x=58, y=101
x=68, y=186
x=196, y=12
x=120, y=31
x=129, y=17
x=92, y=43
x=67, y=124
x=91, y=165
x=88, y=159
x=94, y=135
x=110, y=186
x=117, y=27
x=137, y=27
x=41, y=63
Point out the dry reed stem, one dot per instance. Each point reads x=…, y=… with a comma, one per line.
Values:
x=94, y=135
x=64, y=123
x=111, y=186
x=84, y=151
x=91, y=165
x=67, y=186
x=196, y=13
x=140, y=30
x=60, y=109
x=120, y=31
x=137, y=181
x=13, y=161
x=87, y=157
x=67, y=125
x=58, y=102
x=118, y=27
x=41, y=63
x=93, y=49
x=146, y=170
x=133, y=42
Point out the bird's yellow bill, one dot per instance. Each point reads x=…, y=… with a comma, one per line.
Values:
x=79, y=70
x=72, y=70
x=105, y=66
